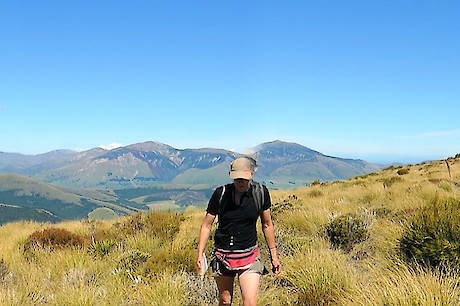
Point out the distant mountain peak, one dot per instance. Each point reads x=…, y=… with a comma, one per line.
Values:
x=283, y=147
x=149, y=146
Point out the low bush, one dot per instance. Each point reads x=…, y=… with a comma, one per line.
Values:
x=347, y=230
x=132, y=265
x=403, y=171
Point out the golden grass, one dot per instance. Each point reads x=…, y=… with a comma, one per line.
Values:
x=400, y=285
x=320, y=275
x=314, y=272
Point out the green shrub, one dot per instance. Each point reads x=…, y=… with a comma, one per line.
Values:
x=347, y=230
x=101, y=248
x=131, y=264
x=53, y=238
x=432, y=238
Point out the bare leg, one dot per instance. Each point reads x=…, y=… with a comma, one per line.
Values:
x=225, y=285
x=249, y=283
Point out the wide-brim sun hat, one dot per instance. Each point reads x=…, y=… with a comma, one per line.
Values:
x=241, y=168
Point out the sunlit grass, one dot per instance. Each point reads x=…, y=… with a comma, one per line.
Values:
x=320, y=275
x=399, y=285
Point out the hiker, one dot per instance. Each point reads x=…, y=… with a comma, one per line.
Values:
x=236, y=253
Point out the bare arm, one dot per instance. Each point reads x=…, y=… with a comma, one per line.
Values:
x=269, y=233
x=205, y=231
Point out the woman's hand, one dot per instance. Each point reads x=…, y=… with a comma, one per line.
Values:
x=276, y=266
x=205, y=230
x=199, y=264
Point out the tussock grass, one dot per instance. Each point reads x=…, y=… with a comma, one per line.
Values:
x=148, y=259
x=320, y=275
x=401, y=285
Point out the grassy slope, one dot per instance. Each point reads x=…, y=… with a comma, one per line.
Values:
x=314, y=273
x=10, y=213
x=35, y=200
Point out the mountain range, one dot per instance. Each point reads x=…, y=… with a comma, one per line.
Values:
x=64, y=184
x=152, y=163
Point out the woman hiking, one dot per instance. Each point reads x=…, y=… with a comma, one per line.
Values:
x=236, y=251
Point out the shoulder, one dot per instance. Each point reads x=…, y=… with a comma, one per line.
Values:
x=264, y=188
x=260, y=187
x=263, y=194
x=220, y=192
x=223, y=189
x=216, y=198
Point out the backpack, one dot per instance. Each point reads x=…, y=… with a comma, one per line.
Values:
x=257, y=194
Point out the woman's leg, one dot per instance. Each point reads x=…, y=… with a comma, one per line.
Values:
x=249, y=284
x=225, y=285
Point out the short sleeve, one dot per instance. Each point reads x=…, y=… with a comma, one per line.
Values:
x=213, y=204
x=267, y=200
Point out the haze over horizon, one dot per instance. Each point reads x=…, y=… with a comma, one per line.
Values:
x=377, y=81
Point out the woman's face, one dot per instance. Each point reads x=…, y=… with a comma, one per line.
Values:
x=241, y=185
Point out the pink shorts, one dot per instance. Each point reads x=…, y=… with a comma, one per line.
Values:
x=219, y=269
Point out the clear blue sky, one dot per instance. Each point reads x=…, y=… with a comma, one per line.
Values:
x=376, y=80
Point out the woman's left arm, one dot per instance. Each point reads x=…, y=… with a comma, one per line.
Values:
x=269, y=233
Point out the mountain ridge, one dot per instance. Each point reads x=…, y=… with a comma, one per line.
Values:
x=150, y=163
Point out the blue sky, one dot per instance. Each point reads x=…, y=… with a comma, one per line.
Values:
x=376, y=80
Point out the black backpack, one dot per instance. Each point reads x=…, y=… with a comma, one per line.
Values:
x=257, y=194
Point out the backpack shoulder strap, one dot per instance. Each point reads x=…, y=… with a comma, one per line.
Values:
x=219, y=210
x=258, y=195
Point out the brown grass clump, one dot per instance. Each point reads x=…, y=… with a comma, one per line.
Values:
x=52, y=239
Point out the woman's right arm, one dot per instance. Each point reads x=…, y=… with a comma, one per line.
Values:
x=205, y=231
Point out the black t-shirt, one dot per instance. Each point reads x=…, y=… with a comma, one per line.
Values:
x=237, y=223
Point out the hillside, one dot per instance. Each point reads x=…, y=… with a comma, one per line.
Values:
x=23, y=198
x=127, y=257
